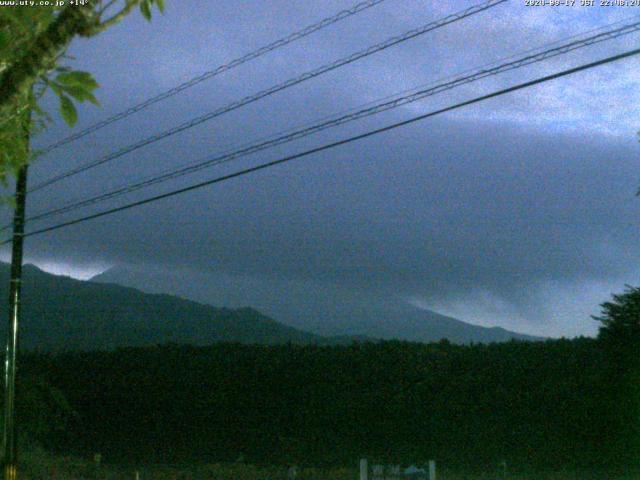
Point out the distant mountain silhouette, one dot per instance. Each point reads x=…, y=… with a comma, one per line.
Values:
x=314, y=307
x=407, y=322
x=60, y=313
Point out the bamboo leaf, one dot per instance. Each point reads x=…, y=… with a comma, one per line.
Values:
x=145, y=8
x=68, y=110
x=79, y=79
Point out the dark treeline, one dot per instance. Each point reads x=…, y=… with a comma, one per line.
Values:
x=553, y=404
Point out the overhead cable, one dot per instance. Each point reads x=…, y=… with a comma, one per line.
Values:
x=308, y=30
x=328, y=146
x=274, y=89
x=381, y=107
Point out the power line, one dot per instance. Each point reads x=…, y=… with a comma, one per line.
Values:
x=276, y=88
x=297, y=134
x=336, y=144
x=217, y=71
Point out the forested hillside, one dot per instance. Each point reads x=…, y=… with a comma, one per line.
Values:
x=321, y=308
x=61, y=313
x=553, y=404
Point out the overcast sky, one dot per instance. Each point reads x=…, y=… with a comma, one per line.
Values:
x=519, y=211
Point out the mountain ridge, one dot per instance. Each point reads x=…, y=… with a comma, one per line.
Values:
x=312, y=306
x=62, y=313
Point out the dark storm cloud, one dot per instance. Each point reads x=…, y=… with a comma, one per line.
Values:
x=425, y=212
x=503, y=199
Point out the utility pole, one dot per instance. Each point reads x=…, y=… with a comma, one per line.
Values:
x=10, y=450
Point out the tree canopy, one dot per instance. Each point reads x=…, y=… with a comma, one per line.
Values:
x=33, y=44
x=620, y=318
x=553, y=404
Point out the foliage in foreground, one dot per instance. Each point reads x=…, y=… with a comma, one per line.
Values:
x=33, y=44
x=37, y=465
x=547, y=405
x=562, y=408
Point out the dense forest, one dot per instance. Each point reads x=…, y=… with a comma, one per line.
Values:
x=557, y=404
x=535, y=405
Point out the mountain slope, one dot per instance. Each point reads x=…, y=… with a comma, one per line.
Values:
x=63, y=313
x=406, y=322
x=312, y=306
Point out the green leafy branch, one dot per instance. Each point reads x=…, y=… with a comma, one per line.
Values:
x=33, y=42
x=73, y=84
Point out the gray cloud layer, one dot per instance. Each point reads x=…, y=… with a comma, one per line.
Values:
x=519, y=211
